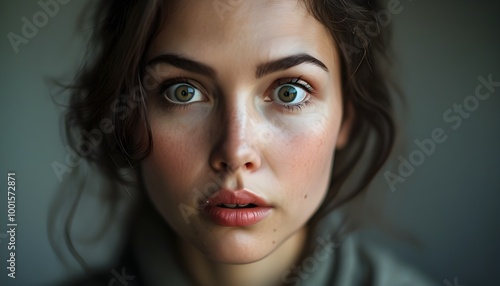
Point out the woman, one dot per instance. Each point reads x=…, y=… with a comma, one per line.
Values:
x=238, y=122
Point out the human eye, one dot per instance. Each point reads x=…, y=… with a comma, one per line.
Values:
x=181, y=92
x=291, y=94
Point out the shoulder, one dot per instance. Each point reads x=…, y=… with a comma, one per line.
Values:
x=360, y=262
x=116, y=276
x=125, y=272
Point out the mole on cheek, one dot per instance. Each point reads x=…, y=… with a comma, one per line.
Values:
x=305, y=197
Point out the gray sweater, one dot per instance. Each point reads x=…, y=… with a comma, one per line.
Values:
x=352, y=262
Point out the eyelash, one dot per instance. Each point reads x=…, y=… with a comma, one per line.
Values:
x=290, y=107
x=168, y=83
x=296, y=82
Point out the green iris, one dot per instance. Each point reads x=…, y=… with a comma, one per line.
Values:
x=184, y=93
x=287, y=93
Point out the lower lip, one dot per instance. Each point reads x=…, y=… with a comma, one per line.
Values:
x=237, y=217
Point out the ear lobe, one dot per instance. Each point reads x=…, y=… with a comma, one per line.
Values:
x=345, y=127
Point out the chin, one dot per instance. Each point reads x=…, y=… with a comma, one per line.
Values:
x=234, y=248
x=237, y=256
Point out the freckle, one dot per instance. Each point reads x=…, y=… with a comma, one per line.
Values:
x=274, y=230
x=273, y=241
x=305, y=197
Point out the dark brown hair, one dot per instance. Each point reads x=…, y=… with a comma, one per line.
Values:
x=108, y=89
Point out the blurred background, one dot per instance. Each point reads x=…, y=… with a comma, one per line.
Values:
x=450, y=202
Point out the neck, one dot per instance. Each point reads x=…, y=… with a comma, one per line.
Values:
x=267, y=271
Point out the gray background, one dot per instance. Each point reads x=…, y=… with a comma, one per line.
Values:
x=451, y=201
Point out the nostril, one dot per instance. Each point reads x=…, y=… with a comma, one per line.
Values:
x=227, y=167
x=230, y=159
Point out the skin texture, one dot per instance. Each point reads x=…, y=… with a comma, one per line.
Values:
x=242, y=134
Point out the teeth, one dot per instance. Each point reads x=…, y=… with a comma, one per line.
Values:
x=232, y=206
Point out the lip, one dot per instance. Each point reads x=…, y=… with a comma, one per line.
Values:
x=239, y=216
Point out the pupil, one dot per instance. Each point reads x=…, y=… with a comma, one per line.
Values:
x=288, y=93
x=184, y=93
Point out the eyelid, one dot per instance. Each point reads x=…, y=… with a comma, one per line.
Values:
x=297, y=81
x=169, y=83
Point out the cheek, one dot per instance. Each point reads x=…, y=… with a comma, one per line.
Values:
x=174, y=163
x=175, y=169
x=310, y=152
x=304, y=161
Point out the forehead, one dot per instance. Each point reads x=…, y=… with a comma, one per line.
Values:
x=259, y=30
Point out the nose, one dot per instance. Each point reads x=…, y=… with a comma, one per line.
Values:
x=236, y=142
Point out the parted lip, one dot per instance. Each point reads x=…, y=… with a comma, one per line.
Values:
x=252, y=208
x=240, y=197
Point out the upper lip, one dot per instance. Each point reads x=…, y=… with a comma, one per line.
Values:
x=240, y=197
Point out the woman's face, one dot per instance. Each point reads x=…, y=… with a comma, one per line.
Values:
x=246, y=109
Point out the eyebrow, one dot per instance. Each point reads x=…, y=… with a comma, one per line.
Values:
x=183, y=63
x=286, y=63
x=262, y=70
